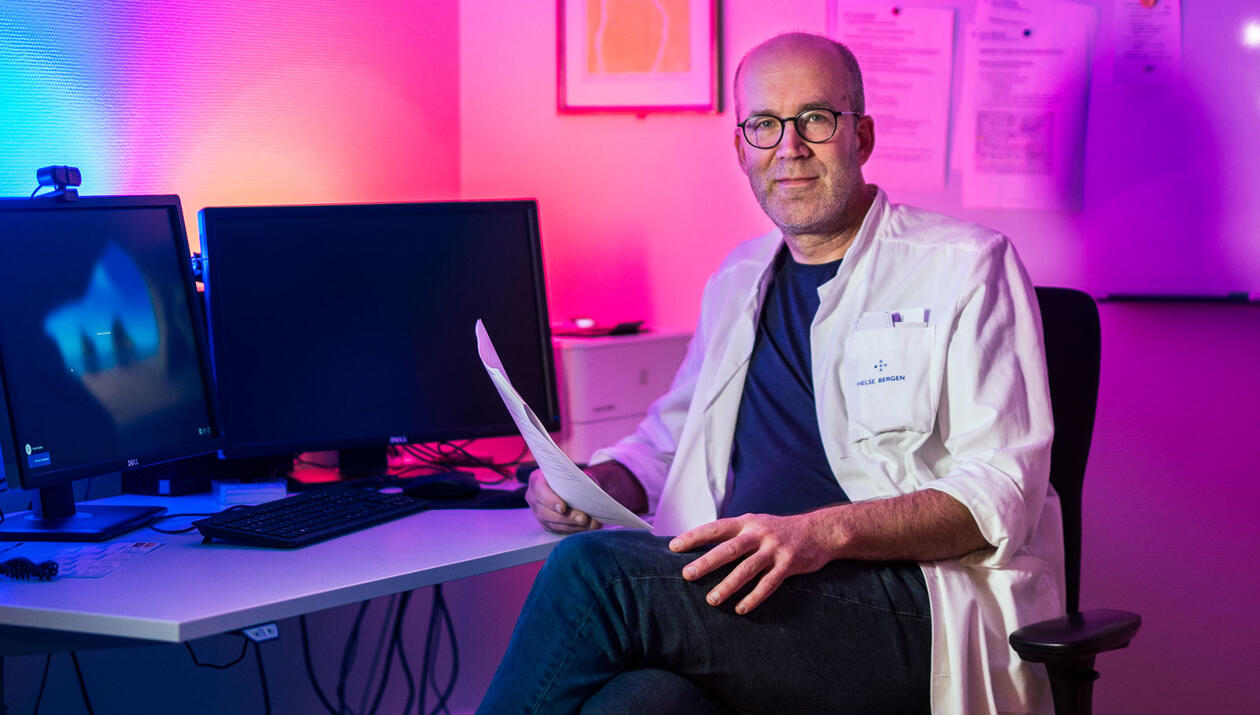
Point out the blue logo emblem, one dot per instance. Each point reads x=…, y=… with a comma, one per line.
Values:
x=880, y=366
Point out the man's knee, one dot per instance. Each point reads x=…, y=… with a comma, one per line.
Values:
x=603, y=555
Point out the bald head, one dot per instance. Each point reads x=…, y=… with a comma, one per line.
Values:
x=794, y=46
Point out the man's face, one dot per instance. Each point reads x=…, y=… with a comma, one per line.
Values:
x=804, y=188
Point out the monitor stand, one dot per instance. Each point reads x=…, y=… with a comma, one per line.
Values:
x=363, y=462
x=55, y=518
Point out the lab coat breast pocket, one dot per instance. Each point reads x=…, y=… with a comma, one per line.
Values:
x=887, y=380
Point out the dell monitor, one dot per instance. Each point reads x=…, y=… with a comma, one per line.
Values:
x=103, y=363
x=352, y=326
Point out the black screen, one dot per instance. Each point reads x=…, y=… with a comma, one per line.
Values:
x=352, y=326
x=99, y=346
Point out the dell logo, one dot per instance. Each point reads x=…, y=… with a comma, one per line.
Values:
x=133, y=462
x=398, y=440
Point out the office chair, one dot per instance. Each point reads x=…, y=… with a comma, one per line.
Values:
x=1066, y=645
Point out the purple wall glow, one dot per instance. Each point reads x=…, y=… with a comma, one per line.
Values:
x=1170, y=506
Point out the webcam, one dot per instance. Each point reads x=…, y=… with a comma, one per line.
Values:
x=60, y=178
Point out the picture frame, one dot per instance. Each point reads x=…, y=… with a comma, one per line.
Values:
x=637, y=55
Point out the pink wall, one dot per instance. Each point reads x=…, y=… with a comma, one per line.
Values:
x=636, y=211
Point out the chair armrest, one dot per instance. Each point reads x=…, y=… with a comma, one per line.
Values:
x=1076, y=636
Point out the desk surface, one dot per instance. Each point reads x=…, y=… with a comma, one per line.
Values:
x=186, y=589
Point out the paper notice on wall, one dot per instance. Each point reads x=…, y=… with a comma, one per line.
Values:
x=1021, y=123
x=907, y=60
x=563, y=476
x=1021, y=13
x=1147, y=38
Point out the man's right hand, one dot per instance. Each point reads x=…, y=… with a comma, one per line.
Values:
x=557, y=516
x=551, y=511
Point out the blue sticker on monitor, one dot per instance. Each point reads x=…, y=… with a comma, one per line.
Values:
x=38, y=459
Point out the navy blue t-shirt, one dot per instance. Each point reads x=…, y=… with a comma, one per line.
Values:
x=778, y=461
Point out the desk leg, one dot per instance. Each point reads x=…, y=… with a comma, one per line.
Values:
x=4, y=709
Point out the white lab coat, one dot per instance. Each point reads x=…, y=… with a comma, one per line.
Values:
x=965, y=409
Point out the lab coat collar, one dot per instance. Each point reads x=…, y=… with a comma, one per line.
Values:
x=743, y=333
x=869, y=231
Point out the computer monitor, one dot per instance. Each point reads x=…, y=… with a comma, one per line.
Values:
x=352, y=326
x=103, y=363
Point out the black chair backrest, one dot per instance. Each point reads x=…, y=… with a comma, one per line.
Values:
x=1073, y=344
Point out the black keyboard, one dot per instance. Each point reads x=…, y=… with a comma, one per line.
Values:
x=315, y=515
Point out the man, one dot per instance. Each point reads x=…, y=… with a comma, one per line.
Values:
x=854, y=456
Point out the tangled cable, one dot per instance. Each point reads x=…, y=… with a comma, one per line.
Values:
x=23, y=568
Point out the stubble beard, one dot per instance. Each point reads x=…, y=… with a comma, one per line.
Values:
x=796, y=217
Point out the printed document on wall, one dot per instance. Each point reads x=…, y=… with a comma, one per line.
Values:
x=1147, y=41
x=1021, y=124
x=907, y=60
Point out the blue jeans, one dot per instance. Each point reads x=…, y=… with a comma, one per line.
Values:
x=853, y=637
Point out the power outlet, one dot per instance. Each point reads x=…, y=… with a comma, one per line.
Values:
x=264, y=632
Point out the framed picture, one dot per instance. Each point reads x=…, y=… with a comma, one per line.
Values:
x=637, y=55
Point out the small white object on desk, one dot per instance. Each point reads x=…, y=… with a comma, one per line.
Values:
x=229, y=492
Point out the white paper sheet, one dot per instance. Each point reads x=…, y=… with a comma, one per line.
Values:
x=907, y=60
x=1021, y=124
x=563, y=476
x=1147, y=41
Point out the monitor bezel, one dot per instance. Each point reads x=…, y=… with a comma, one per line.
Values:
x=548, y=414
x=23, y=476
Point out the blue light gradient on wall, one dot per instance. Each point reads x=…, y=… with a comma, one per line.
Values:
x=51, y=105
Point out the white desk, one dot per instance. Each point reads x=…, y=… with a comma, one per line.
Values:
x=186, y=589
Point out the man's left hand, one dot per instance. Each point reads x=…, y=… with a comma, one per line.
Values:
x=774, y=547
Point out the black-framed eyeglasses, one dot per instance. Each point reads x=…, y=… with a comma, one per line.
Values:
x=815, y=126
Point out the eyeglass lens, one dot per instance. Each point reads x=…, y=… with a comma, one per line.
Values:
x=764, y=131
